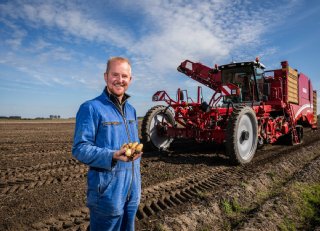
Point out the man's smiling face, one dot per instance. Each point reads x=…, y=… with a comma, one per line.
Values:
x=118, y=78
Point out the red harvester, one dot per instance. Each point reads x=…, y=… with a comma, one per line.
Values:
x=249, y=107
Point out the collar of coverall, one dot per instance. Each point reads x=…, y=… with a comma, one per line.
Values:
x=114, y=98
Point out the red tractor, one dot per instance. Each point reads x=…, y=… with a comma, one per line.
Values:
x=249, y=107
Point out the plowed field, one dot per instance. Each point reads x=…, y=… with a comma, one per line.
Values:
x=192, y=187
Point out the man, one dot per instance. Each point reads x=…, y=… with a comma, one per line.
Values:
x=103, y=125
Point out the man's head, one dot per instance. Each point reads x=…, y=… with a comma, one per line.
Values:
x=118, y=76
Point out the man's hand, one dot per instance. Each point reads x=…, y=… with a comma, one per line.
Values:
x=120, y=155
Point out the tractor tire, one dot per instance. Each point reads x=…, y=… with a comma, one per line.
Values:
x=242, y=135
x=151, y=137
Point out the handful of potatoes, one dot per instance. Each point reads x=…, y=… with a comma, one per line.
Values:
x=132, y=149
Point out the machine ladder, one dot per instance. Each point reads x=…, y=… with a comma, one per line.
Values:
x=292, y=125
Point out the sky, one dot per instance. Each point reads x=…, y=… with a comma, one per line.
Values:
x=53, y=53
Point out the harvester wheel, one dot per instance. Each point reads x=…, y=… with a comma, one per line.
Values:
x=152, y=136
x=242, y=135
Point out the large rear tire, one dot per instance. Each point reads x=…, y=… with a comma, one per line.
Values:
x=152, y=136
x=242, y=135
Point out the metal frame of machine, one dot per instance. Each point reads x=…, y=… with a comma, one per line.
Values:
x=249, y=107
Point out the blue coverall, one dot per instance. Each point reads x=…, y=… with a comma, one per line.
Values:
x=114, y=187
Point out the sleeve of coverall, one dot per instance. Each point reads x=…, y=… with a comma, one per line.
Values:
x=84, y=148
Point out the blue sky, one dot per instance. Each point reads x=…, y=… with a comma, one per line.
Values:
x=53, y=53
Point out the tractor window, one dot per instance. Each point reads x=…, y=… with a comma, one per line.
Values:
x=259, y=78
x=243, y=78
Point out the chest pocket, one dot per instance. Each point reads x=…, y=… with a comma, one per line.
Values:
x=111, y=133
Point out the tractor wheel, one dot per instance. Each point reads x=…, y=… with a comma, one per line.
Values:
x=152, y=136
x=242, y=135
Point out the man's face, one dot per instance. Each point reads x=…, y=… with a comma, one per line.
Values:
x=118, y=78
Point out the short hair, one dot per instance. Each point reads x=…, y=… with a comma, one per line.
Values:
x=116, y=58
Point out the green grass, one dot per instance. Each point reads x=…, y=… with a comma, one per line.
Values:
x=309, y=202
x=232, y=207
x=201, y=195
x=227, y=207
x=306, y=198
x=287, y=225
x=272, y=175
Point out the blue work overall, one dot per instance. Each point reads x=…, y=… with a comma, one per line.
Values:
x=114, y=187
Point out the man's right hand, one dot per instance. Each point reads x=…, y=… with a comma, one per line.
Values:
x=120, y=155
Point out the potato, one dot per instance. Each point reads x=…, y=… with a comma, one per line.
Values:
x=139, y=148
x=128, y=152
x=132, y=149
x=134, y=145
x=125, y=146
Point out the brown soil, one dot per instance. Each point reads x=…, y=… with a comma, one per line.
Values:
x=192, y=187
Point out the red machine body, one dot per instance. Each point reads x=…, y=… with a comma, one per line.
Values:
x=249, y=107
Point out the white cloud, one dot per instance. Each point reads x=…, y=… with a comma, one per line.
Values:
x=201, y=32
x=170, y=31
x=60, y=81
x=207, y=31
x=16, y=37
x=69, y=18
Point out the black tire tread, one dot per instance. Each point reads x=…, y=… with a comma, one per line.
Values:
x=232, y=131
x=145, y=132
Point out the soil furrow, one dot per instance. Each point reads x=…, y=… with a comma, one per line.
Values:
x=264, y=174
x=60, y=175
x=158, y=199
x=191, y=187
x=35, y=170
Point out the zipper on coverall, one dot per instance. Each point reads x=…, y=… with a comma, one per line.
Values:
x=131, y=181
x=129, y=139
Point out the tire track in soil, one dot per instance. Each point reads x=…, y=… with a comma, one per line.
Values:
x=158, y=199
x=11, y=172
x=34, y=155
x=26, y=178
x=284, y=162
x=32, y=159
x=179, y=190
x=31, y=148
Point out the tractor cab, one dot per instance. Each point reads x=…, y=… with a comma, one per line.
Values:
x=247, y=77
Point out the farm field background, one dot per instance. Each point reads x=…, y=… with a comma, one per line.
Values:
x=190, y=187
